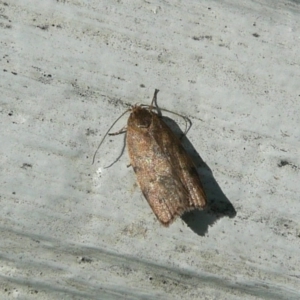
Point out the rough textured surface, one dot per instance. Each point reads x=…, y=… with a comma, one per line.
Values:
x=72, y=230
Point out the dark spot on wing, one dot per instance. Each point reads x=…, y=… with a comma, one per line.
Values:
x=193, y=171
x=135, y=169
x=145, y=193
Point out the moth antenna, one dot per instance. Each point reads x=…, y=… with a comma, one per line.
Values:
x=158, y=109
x=154, y=101
x=107, y=132
x=123, y=148
x=187, y=120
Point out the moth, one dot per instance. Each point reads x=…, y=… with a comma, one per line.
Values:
x=165, y=172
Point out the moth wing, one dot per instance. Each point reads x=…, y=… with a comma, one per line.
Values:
x=161, y=186
x=182, y=164
x=167, y=197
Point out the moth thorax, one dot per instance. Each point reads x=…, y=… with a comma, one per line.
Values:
x=140, y=118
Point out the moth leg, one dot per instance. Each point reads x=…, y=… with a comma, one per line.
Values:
x=122, y=130
x=128, y=166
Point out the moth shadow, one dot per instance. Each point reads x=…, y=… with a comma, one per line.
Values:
x=218, y=204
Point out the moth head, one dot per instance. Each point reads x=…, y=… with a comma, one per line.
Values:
x=140, y=117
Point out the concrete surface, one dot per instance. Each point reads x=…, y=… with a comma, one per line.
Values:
x=73, y=230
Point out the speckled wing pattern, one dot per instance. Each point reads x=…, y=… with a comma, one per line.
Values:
x=166, y=174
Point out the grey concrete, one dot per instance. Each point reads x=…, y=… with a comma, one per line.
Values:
x=73, y=230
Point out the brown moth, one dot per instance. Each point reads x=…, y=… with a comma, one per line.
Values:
x=165, y=172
